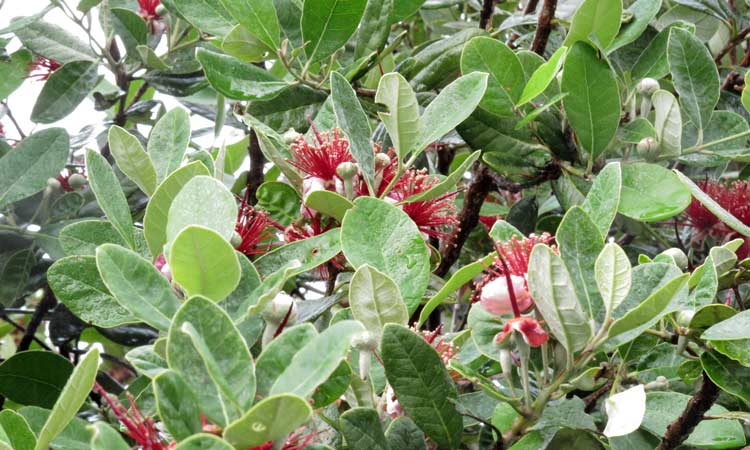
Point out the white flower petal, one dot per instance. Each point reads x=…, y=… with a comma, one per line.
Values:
x=625, y=411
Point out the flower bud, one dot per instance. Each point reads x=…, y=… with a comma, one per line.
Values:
x=365, y=341
x=160, y=10
x=679, y=257
x=290, y=136
x=53, y=184
x=648, y=86
x=495, y=297
x=381, y=161
x=279, y=308
x=236, y=240
x=685, y=317
x=76, y=181
x=346, y=170
x=648, y=149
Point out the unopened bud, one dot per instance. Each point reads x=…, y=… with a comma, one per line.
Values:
x=661, y=383
x=236, y=240
x=290, y=136
x=381, y=161
x=160, y=10
x=53, y=184
x=365, y=341
x=279, y=308
x=679, y=257
x=346, y=170
x=648, y=86
x=685, y=317
x=76, y=181
x=648, y=148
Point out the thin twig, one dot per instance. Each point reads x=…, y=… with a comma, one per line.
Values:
x=47, y=303
x=695, y=409
x=9, y=113
x=255, y=174
x=732, y=44
x=18, y=327
x=485, y=17
x=544, y=26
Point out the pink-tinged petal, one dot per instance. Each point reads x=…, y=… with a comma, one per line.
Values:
x=495, y=297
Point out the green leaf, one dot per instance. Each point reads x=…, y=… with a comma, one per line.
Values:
x=351, y=118
x=551, y=287
x=603, y=199
x=543, y=76
x=593, y=103
x=104, y=437
x=639, y=128
x=76, y=283
x=150, y=59
x=375, y=27
x=237, y=79
x=403, y=433
x=613, y=276
x=258, y=17
x=663, y=408
x=137, y=285
x=728, y=374
x=375, y=300
x=206, y=202
x=25, y=170
x=448, y=183
x=652, y=62
x=132, y=159
x=204, y=263
x=203, y=442
x=328, y=24
x=651, y=193
x=280, y=200
x=452, y=106
x=109, y=195
x=660, y=303
x=168, y=141
x=13, y=72
x=402, y=119
x=73, y=395
x=504, y=85
x=667, y=123
x=209, y=16
x=54, y=42
x=65, y=89
x=314, y=363
x=484, y=328
x=362, y=430
x=503, y=231
x=711, y=205
x=329, y=203
x=131, y=27
x=155, y=221
x=207, y=350
x=643, y=12
x=277, y=356
x=34, y=377
x=244, y=45
x=177, y=405
x=706, y=286
x=275, y=149
x=17, y=431
x=146, y=361
x=383, y=236
x=580, y=244
x=270, y=419
x=15, y=271
x=735, y=328
x=695, y=76
x=721, y=128
x=598, y=17
x=422, y=385
x=310, y=253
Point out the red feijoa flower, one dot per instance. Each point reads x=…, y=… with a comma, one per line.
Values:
x=255, y=229
x=320, y=160
x=41, y=68
x=148, y=9
x=433, y=217
x=141, y=429
x=531, y=330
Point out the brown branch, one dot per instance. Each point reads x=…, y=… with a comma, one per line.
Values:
x=697, y=406
x=485, y=16
x=531, y=7
x=732, y=44
x=544, y=26
x=255, y=174
x=47, y=303
x=468, y=217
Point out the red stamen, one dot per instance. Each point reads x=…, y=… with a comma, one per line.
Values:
x=320, y=161
x=254, y=227
x=41, y=68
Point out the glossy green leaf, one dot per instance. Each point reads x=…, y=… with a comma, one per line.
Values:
x=484, y=328
x=551, y=287
x=613, y=276
x=34, y=377
x=598, y=17
x=104, y=437
x=130, y=26
x=422, y=385
x=706, y=286
x=643, y=12
x=383, y=236
x=82, y=238
x=374, y=27
x=209, y=16
x=651, y=193
x=505, y=83
x=269, y=420
x=403, y=433
x=329, y=203
x=17, y=432
x=667, y=123
x=237, y=79
x=279, y=353
x=109, y=195
x=280, y=200
x=328, y=24
x=317, y=360
x=543, y=76
x=735, y=328
x=13, y=72
x=204, y=441
x=54, y=42
x=352, y=120
x=258, y=17
x=132, y=159
x=711, y=205
x=65, y=89
x=375, y=300
x=76, y=283
x=362, y=430
x=603, y=199
x=728, y=374
x=204, y=263
x=15, y=271
x=402, y=119
x=244, y=45
x=207, y=350
x=448, y=183
x=168, y=141
x=580, y=243
x=177, y=405
x=155, y=221
x=73, y=395
x=203, y=201
x=695, y=76
x=652, y=61
x=25, y=170
x=301, y=255
x=146, y=361
x=593, y=102
x=452, y=106
x=137, y=285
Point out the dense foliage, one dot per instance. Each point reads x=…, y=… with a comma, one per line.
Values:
x=447, y=224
